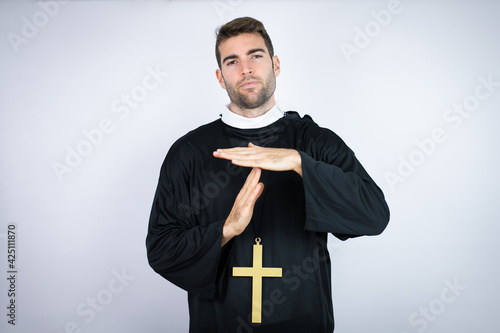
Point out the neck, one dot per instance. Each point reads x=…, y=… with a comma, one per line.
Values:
x=252, y=113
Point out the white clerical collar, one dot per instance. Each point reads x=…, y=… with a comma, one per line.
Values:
x=235, y=120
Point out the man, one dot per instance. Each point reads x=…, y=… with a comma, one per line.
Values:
x=244, y=204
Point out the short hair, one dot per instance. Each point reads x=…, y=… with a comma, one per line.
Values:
x=240, y=26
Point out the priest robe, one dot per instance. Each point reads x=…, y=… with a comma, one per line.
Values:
x=293, y=216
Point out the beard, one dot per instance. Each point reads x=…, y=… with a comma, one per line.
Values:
x=251, y=101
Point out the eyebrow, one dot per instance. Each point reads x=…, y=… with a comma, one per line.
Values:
x=234, y=56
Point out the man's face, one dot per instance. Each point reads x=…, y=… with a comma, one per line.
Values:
x=248, y=72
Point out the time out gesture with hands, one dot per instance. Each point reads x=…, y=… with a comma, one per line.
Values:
x=258, y=158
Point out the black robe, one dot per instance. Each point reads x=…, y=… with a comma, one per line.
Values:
x=195, y=194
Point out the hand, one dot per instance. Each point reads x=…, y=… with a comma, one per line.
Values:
x=274, y=159
x=242, y=210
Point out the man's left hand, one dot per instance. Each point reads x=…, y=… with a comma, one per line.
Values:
x=274, y=159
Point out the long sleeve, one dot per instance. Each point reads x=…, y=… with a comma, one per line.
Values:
x=179, y=247
x=341, y=198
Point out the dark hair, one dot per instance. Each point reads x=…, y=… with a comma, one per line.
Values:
x=240, y=26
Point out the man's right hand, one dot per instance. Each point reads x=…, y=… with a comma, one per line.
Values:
x=242, y=210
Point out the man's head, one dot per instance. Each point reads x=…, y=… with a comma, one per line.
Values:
x=247, y=66
x=240, y=26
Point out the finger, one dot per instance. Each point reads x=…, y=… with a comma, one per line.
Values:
x=255, y=194
x=229, y=154
x=245, y=159
x=254, y=177
x=247, y=152
x=251, y=163
x=251, y=182
x=246, y=203
x=237, y=150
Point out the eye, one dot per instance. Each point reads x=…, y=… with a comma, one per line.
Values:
x=230, y=63
x=257, y=56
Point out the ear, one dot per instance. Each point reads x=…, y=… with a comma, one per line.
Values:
x=220, y=78
x=277, y=68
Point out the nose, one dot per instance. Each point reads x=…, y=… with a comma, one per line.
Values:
x=246, y=68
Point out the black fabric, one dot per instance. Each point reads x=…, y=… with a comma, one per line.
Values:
x=195, y=194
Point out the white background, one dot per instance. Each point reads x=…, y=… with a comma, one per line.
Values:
x=65, y=68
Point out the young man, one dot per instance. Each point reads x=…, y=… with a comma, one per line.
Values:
x=244, y=204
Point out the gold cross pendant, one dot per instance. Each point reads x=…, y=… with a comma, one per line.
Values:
x=257, y=272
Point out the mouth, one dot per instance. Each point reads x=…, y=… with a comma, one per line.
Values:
x=249, y=84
